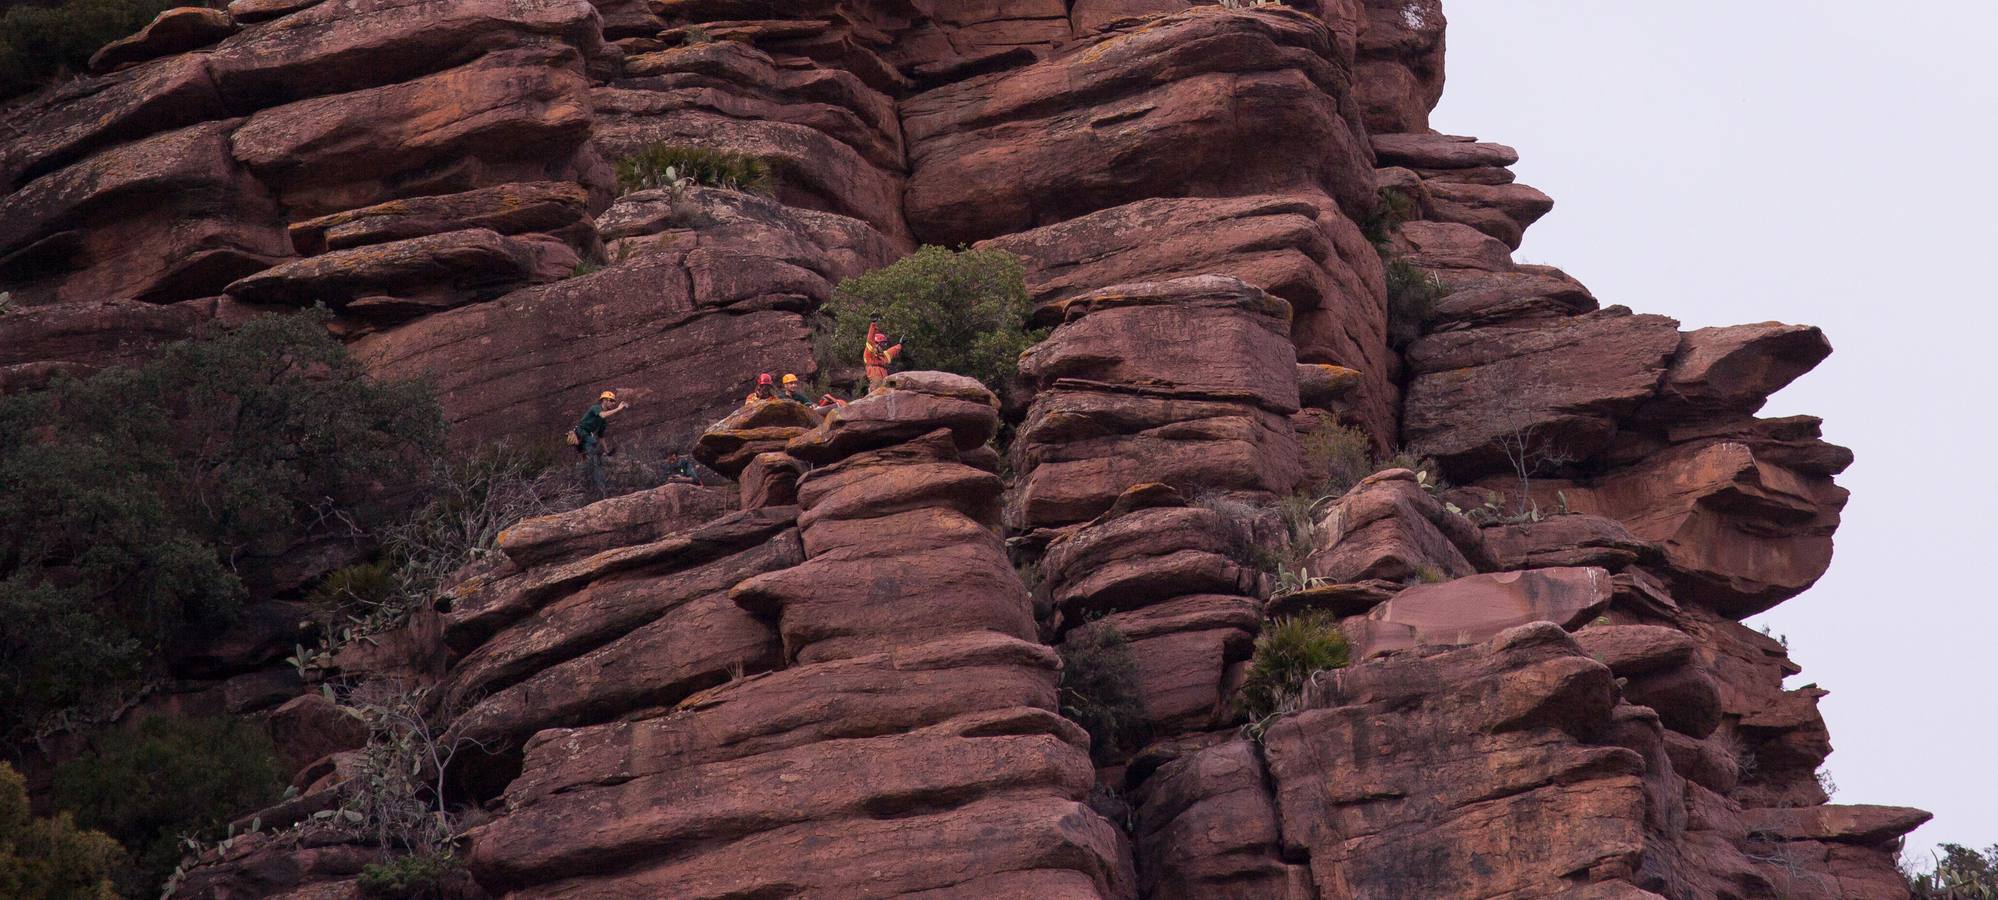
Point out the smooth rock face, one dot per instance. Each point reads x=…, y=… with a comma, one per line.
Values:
x=1471, y=609
x=681, y=328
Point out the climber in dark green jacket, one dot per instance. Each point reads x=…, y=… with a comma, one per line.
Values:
x=590, y=435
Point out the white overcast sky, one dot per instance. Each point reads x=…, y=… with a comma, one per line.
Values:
x=1829, y=162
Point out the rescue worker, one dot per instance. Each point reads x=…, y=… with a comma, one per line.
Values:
x=680, y=469
x=791, y=390
x=878, y=356
x=766, y=389
x=590, y=431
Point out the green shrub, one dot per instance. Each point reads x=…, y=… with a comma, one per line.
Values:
x=1288, y=652
x=40, y=42
x=1960, y=873
x=50, y=859
x=1392, y=209
x=964, y=312
x=169, y=778
x=416, y=877
x=356, y=588
x=1099, y=690
x=669, y=165
x=1336, y=457
x=1411, y=295
x=142, y=502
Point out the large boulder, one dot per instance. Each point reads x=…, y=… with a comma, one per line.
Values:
x=755, y=428
x=1207, y=827
x=1572, y=540
x=1737, y=532
x=89, y=114
x=341, y=46
x=1199, y=338
x=1733, y=370
x=1548, y=390
x=911, y=404
x=1389, y=527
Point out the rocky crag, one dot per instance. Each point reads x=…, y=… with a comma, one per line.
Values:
x=837, y=680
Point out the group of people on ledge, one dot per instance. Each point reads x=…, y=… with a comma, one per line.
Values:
x=878, y=356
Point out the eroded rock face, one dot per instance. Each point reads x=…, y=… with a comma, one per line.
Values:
x=1264, y=92
x=1114, y=411
x=680, y=328
x=871, y=735
x=1388, y=527
x=1176, y=582
x=1298, y=248
x=831, y=679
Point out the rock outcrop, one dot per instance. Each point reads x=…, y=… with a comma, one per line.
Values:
x=838, y=676
x=844, y=729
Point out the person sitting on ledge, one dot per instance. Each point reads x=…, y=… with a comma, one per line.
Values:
x=679, y=469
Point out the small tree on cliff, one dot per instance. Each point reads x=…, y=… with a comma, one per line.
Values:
x=50, y=859
x=150, y=786
x=964, y=312
x=142, y=501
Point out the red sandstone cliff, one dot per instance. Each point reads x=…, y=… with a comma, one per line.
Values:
x=833, y=684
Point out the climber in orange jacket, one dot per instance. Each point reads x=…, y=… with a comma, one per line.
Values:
x=878, y=357
x=766, y=389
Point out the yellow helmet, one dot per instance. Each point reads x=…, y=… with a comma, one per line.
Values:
x=607, y=395
x=790, y=379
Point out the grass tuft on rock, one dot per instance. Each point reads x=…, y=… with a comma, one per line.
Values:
x=1288, y=652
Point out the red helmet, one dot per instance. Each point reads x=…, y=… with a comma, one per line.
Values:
x=765, y=379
